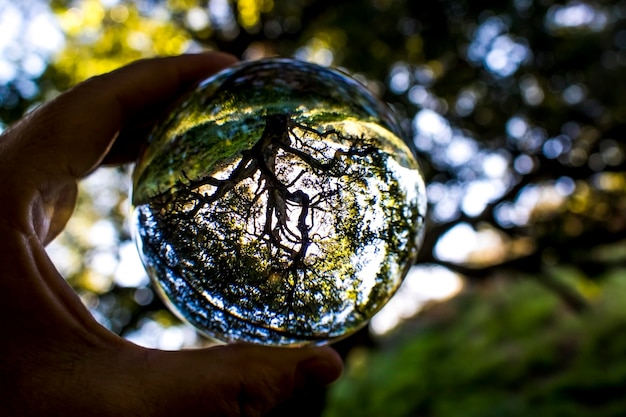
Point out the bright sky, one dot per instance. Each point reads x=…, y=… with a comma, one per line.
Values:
x=423, y=284
x=29, y=35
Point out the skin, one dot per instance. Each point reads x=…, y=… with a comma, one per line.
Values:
x=55, y=359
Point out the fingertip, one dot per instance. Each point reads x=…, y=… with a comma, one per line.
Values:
x=317, y=365
x=323, y=368
x=222, y=57
x=208, y=62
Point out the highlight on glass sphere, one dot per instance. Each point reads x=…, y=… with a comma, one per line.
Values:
x=279, y=205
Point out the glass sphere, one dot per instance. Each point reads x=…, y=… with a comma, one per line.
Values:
x=279, y=204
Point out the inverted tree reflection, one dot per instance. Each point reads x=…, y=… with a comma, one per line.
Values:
x=302, y=235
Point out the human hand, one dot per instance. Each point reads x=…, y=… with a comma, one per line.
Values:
x=55, y=359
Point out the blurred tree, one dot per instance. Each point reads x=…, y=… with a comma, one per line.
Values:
x=515, y=108
x=514, y=351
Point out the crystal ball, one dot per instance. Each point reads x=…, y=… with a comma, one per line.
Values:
x=279, y=204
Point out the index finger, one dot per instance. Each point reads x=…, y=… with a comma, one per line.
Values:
x=72, y=134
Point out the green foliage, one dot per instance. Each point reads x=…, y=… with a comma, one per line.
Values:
x=509, y=350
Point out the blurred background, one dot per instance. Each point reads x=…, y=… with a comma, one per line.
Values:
x=517, y=304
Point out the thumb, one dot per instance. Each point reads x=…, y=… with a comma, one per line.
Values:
x=235, y=380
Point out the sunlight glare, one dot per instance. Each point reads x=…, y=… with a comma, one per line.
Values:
x=495, y=165
x=43, y=32
x=11, y=21
x=153, y=334
x=221, y=13
x=495, y=49
x=423, y=284
x=197, y=18
x=461, y=150
x=480, y=193
x=102, y=233
x=432, y=125
x=457, y=243
x=576, y=15
x=130, y=271
x=29, y=34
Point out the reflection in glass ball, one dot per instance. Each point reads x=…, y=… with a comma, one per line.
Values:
x=278, y=205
